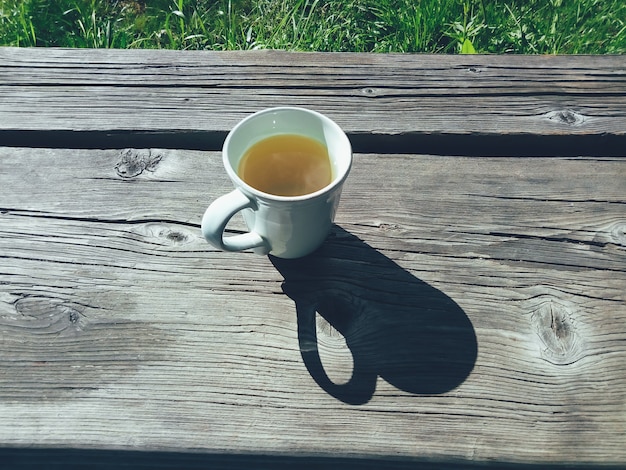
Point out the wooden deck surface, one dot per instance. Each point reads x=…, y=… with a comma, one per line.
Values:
x=468, y=309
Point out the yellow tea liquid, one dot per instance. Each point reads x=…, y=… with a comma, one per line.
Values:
x=286, y=165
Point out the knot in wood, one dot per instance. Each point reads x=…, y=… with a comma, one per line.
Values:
x=162, y=233
x=45, y=315
x=177, y=237
x=613, y=234
x=566, y=116
x=134, y=162
x=369, y=91
x=553, y=323
x=387, y=227
x=618, y=233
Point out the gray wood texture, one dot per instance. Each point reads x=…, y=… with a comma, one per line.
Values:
x=465, y=311
x=99, y=93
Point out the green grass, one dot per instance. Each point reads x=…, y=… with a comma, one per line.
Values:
x=435, y=26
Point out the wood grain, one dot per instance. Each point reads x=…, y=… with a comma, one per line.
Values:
x=468, y=310
x=190, y=100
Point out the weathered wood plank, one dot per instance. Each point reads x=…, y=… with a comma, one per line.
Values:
x=478, y=306
x=206, y=93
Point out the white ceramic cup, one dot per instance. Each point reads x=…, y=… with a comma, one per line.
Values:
x=283, y=226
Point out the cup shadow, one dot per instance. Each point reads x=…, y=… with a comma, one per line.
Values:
x=396, y=326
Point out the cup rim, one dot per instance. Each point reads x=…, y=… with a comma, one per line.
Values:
x=240, y=183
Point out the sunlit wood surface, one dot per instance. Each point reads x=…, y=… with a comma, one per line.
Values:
x=468, y=308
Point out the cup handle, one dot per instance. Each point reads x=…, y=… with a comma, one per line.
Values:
x=217, y=217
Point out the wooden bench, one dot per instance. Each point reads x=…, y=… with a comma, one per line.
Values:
x=468, y=309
